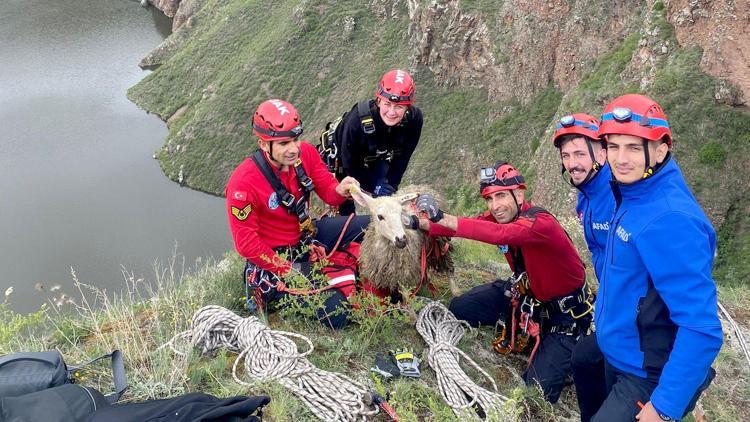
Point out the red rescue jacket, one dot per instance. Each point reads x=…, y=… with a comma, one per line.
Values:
x=259, y=222
x=553, y=265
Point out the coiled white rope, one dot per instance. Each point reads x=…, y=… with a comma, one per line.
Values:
x=442, y=331
x=273, y=355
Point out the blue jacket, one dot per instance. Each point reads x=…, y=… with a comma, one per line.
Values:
x=656, y=315
x=595, y=207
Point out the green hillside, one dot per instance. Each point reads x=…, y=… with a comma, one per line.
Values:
x=323, y=56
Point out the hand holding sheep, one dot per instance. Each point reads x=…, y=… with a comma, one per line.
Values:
x=345, y=187
x=427, y=206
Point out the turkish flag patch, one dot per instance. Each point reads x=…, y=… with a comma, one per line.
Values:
x=240, y=195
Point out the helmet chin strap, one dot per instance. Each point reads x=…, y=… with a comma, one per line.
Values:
x=649, y=171
x=518, y=207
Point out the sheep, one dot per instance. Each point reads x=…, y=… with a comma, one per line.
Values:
x=390, y=253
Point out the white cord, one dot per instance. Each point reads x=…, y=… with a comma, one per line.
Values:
x=273, y=355
x=442, y=331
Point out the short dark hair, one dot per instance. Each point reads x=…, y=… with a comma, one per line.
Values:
x=569, y=137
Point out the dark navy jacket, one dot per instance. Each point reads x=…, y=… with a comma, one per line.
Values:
x=656, y=314
x=355, y=146
x=595, y=207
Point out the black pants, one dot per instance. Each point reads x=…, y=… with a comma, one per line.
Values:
x=624, y=391
x=335, y=310
x=588, y=376
x=485, y=304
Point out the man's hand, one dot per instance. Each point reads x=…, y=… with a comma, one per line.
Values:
x=426, y=203
x=346, y=183
x=648, y=414
x=382, y=188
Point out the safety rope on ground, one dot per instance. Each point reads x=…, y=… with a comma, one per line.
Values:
x=272, y=355
x=737, y=331
x=442, y=331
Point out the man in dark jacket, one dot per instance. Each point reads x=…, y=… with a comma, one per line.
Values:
x=546, y=301
x=376, y=139
x=657, y=322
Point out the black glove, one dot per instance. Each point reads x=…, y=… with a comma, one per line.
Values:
x=382, y=188
x=386, y=365
x=426, y=203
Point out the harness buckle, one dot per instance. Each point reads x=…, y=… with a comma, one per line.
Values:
x=287, y=200
x=368, y=125
x=308, y=228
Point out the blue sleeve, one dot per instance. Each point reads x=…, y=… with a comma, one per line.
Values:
x=677, y=250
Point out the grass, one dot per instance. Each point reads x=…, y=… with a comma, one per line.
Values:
x=148, y=315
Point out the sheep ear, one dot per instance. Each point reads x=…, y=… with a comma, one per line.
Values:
x=407, y=198
x=361, y=197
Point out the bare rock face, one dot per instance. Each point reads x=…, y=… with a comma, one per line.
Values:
x=185, y=11
x=722, y=29
x=168, y=7
x=533, y=43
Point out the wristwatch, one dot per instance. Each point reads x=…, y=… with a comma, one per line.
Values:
x=665, y=417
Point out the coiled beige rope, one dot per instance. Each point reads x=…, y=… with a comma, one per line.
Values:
x=272, y=355
x=442, y=331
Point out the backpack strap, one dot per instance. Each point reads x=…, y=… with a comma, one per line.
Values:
x=365, y=116
x=293, y=205
x=118, y=373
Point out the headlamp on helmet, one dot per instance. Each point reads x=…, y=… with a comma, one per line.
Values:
x=502, y=176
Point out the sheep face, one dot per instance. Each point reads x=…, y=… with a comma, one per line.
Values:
x=388, y=216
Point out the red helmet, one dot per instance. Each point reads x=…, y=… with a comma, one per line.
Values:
x=636, y=115
x=276, y=120
x=502, y=176
x=576, y=124
x=397, y=87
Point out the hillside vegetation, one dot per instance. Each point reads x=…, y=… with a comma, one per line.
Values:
x=483, y=82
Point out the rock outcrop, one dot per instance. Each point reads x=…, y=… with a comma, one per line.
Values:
x=722, y=29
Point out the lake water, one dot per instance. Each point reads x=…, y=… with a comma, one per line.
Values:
x=78, y=185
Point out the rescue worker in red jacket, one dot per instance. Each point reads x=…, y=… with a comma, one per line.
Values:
x=269, y=213
x=546, y=301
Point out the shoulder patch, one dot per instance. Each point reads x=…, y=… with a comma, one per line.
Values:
x=242, y=213
x=240, y=195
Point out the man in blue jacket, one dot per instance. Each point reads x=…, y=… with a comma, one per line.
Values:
x=584, y=158
x=656, y=315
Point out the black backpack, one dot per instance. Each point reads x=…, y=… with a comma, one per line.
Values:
x=38, y=386
x=328, y=148
x=28, y=372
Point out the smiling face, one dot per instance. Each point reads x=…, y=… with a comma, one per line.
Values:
x=391, y=113
x=282, y=153
x=626, y=156
x=576, y=158
x=504, y=204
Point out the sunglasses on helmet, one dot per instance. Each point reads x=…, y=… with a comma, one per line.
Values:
x=291, y=133
x=625, y=115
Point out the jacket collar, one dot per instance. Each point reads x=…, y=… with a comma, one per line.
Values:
x=645, y=187
x=598, y=182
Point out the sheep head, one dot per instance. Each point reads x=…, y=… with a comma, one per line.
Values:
x=388, y=214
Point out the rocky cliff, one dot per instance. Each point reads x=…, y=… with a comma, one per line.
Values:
x=492, y=79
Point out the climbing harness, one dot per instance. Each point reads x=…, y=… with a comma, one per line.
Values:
x=270, y=355
x=259, y=282
x=442, y=331
x=297, y=206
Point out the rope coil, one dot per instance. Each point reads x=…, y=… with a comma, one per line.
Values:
x=442, y=331
x=270, y=355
